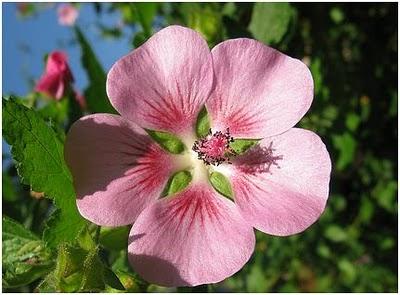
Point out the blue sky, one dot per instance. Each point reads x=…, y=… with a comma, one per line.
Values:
x=26, y=41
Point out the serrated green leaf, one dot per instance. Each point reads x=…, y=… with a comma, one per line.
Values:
x=241, y=145
x=167, y=141
x=270, y=21
x=221, y=184
x=70, y=259
x=25, y=257
x=202, y=123
x=39, y=154
x=177, y=182
x=95, y=95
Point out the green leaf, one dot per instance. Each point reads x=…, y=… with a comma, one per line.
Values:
x=202, y=123
x=204, y=18
x=95, y=94
x=9, y=192
x=241, y=145
x=56, y=110
x=85, y=240
x=39, y=154
x=177, y=182
x=145, y=13
x=352, y=121
x=132, y=282
x=337, y=15
x=221, y=184
x=167, y=141
x=25, y=257
x=346, y=145
x=93, y=273
x=139, y=39
x=335, y=233
x=112, y=280
x=270, y=21
x=114, y=238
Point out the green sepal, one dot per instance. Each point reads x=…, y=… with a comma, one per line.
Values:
x=202, y=123
x=177, y=182
x=167, y=141
x=221, y=184
x=240, y=146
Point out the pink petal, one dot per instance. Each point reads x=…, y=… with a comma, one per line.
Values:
x=194, y=238
x=56, y=77
x=259, y=92
x=163, y=84
x=56, y=62
x=283, y=200
x=116, y=168
x=51, y=85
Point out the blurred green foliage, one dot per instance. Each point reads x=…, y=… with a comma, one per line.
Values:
x=351, y=50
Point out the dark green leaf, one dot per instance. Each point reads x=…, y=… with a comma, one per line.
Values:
x=202, y=123
x=168, y=141
x=9, y=192
x=112, y=280
x=40, y=163
x=221, y=184
x=177, y=182
x=114, y=238
x=145, y=13
x=95, y=94
x=93, y=273
x=270, y=21
x=139, y=39
x=25, y=257
x=346, y=145
x=241, y=145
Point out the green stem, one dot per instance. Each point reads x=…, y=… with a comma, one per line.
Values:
x=97, y=234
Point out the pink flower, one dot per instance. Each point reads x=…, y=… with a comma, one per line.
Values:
x=198, y=236
x=67, y=14
x=57, y=76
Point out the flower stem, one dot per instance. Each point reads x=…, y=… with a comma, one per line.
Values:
x=97, y=234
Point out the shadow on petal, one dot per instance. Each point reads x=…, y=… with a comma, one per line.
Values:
x=156, y=270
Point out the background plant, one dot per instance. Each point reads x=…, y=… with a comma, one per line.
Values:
x=351, y=50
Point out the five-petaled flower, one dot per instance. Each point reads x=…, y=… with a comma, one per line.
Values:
x=197, y=235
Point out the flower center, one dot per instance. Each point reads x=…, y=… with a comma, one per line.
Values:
x=214, y=148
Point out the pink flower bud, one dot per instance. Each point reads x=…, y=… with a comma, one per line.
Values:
x=57, y=76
